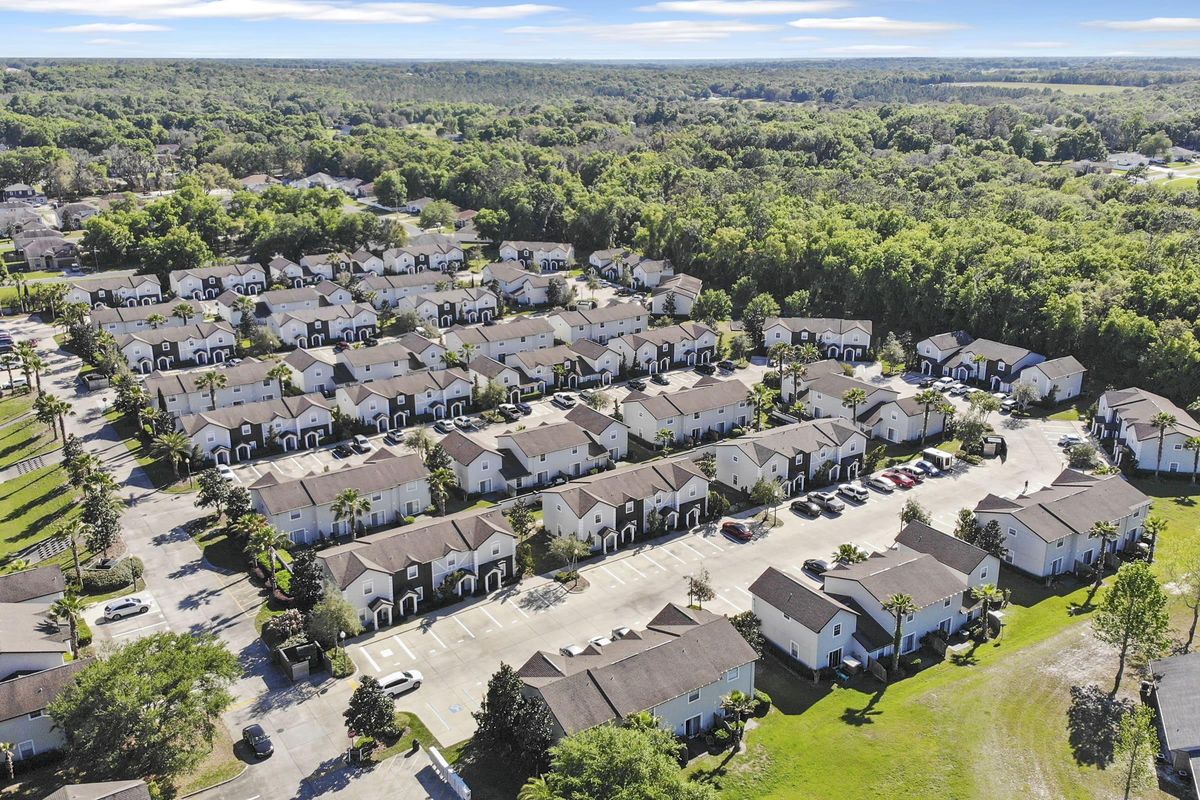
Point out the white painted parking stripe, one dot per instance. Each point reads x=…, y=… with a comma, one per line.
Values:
x=711, y=544
x=610, y=574
x=441, y=719
x=743, y=591
x=627, y=563
x=404, y=647
x=516, y=607
x=672, y=555
x=142, y=628
x=495, y=621
x=436, y=638
x=694, y=550
x=652, y=561
x=462, y=625
x=370, y=660
x=727, y=601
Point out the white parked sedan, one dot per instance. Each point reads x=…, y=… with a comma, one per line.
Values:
x=398, y=683
x=227, y=473
x=125, y=607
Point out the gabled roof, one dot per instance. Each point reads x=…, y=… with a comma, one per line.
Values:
x=386, y=471
x=501, y=331
x=902, y=571
x=681, y=284
x=462, y=448
x=536, y=245
x=179, y=333
x=549, y=437
x=615, y=311
x=1057, y=368
x=258, y=413
x=114, y=282
x=997, y=351
x=951, y=341
x=323, y=313
x=106, y=790
x=218, y=271
x=683, y=332
x=706, y=395
x=950, y=550
x=790, y=441
x=394, y=550
x=512, y=272
x=625, y=484
x=28, y=584
x=301, y=359
x=105, y=314
x=1177, y=696
x=185, y=381
x=681, y=650
x=405, y=385
x=809, y=606
x=465, y=295
x=818, y=325
x=590, y=419
x=407, y=280
x=1071, y=504
x=30, y=693
x=298, y=294
x=1137, y=408
x=26, y=628
x=391, y=351
x=487, y=367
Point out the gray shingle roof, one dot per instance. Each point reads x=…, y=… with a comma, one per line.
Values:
x=1071, y=504
x=26, y=628
x=809, y=606
x=706, y=395
x=402, y=385
x=501, y=331
x=792, y=440
x=184, y=382
x=1057, y=368
x=546, y=438
x=17, y=587
x=950, y=550
x=624, y=484
x=181, y=333
x=318, y=489
x=918, y=575
x=33, y=692
x=590, y=419
x=107, y=790
x=613, y=312
x=255, y=413
x=1177, y=696
x=818, y=325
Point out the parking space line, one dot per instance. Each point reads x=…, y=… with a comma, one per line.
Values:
x=257, y=474
x=462, y=625
x=694, y=550
x=370, y=660
x=640, y=574
x=516, y=607
x=728, y=602
x=711, y=543
x=495, y=621
x=467, y=695
x=441, y=719
x=743, y=591
x=610, y=574
x=652, y=561
x=436, y=638
x=672, y=555
x=404, y=647
x=142, y=628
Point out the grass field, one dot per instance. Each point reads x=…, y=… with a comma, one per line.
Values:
x=32, y=507
x=1065, y=88
x=14, y=405
x=24, y=439
x=1181, y=184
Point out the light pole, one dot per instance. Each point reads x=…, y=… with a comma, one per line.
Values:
x=342, y=641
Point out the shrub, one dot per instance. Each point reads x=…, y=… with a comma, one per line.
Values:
x=279, y=629
x=563, y=576
x=525, y=562
x=340, y=665
x=103, y=581
x=763, y=700
x=85, y=633
x=722, y=738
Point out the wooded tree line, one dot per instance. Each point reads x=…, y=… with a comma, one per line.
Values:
x=931, y=206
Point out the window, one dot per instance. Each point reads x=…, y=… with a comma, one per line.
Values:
x=1059, y=543
x=597, y=519
x=166, y=346
x=245, y=430
x=735, y=459
x=413, y=572
x=692, y=492
x=908, y=618
x=377, y=497
x=294, y=515
x=946, y=603
x=368, y=587
x=732, y=675
x=496, y=549
x=628, y=508
x=983, y=573
x=694, y=696
x=486, y=466
x=41, y=712
x=1012, y=531
x=794, y=649
x=837, y=629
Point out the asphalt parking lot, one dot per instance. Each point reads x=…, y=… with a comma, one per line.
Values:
x=127, y=628
x=458, y=648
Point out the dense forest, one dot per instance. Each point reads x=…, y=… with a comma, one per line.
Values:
x=883, y=189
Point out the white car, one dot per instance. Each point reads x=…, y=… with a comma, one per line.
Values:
x=852, y=492
x=563, y=399
x=1070, y=440
x=398, y=683
x=226, y=472
x=125, y=607
x=943, y=384
x=880, y=484
x=958, y=389
x=361, y=444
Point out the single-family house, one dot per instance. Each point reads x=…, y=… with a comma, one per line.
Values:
x=709, y=410
x=71, y=216
x=239, y=433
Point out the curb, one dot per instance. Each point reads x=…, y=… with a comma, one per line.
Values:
x=245, y=767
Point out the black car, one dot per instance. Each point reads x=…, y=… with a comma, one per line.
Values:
x=706, y=369
x=659, y=379
x=371, y=343
x=341, y=451
x=727, y=365
x=255, y=738
x=624, y=292
x=806, y=507
x=524, y=407
x=926, y=383
x=816, y=566
x=637, y=383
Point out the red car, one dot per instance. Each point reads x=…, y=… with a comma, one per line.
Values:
x=899, y=478
x=736, y=530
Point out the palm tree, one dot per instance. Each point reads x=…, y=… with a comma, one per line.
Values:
x=75, y=532
x=468, y=352
x=1160, y=422
x=1106, y=532
x=31, y=364
x=81, y=468
x=560, y=373
x=420, y=440
x=929, y=399
x=69, y=609
x=1154, y=526
x=781, y=354
x=762, y=400
x=265, y=540
x=848, y=554
x=1193, y=444
x=440, y=483
x=536, y=788
x=351, y=505
x=184, y=311
x=854, y=398
x=664, y=438
x=54, y=410
x=155, y=320
x=7, y=362
x=989, y=597
x=739, y=705
x=899, y=606
x=43, y=414
x=245, y=306
x=211, y=381
x=796, y=370
x=280, y=373
x=7, y=749
x=641, y=721
x=174, y=446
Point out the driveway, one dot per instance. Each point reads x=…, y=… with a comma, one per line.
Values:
x=458, y=648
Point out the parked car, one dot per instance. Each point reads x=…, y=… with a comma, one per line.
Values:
x=586, y=393
x=443, y=426
x=817, y=566
x=398, y=683
x=958, y=388
x=850, y=491
x=371, y=343
x=395, y=436
x=911, y=471
x=1008, y=406
x=509, y=411
x=928, y=467
x=828, y=501
x=341, y=451
x=563, y=399
x=736, y=530
x=659, y=379
x=524, y=408
x=802, y=505
x=227, y=473
x=926, y=383
x=706, y=369
x=257, y=740
x=899, y=478
x=361, y=444
x=1070, y=440
x=464, y=424
x=340, y=346
x=943, y=384
x=881, y=484
x=125, y=607
x=637, y=383
x=727, y=365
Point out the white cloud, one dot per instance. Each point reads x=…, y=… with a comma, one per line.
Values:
x=871, y=49
x=348, y=11
x=1040, y=45
x=747, y=8
x=110, y=27
x=874, y=25
x=665, y=31
x=108, y=42
x=1153, y=24
x=799, y=38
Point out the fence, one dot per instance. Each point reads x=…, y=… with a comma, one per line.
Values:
x=448, y=775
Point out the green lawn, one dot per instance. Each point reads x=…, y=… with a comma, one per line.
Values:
x=1181, y=184
x=992, y=725
x=32, y=507
x=14, y=405
x=24, y=439
x=158, y=470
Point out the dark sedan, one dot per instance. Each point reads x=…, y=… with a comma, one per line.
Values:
x=736, y=530
x=257, y=740
x=706, y=369
x=637, y=383
x=806, y=507
x=817, y=566
x=659, y=379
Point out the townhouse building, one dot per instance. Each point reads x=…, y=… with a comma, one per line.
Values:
x=965, y=358
x=131, y=290
x=240, y=433
x=661, y=349
x=389, y=289
x=366, y=263
x=1125, y=424
x=295, y=274
x=198, y=343
x=396, y=573
x=354, y=322
x=826, y=397
x=543, y=256
x=1056, y=379
x=611, y=433
x=206, y=283
x=845, y=339
x=438, y=254
x=676, y=296
x=313, y=371
x=644, y=273
x=482, y=370
x=677, y=669
x=600, y=324
x=131, y=319
x=1049, y=531
x=903, y=420
x=430, y=353
x=613, y=508
x=400, y=402
x=180, y=393
x=388, y=360
x=798, y=456
x=501, y=340
x=452, y=306
x=576, y=366
x=710, y=410
x=552, y=451
x=517, y=284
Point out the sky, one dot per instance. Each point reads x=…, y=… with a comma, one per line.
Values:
x=596, y=29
